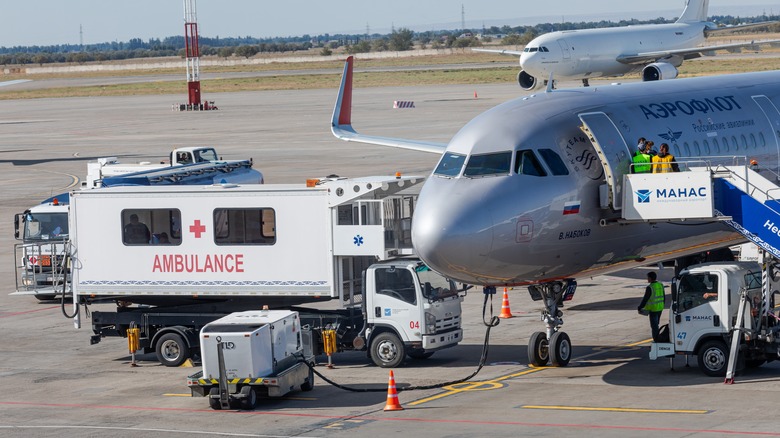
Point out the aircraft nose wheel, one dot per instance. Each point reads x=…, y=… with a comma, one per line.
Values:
x=538, y=349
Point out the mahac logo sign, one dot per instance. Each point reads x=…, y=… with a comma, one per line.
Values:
x=643, y=196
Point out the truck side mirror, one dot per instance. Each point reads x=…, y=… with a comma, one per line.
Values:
x=674, y=289
x=16, y=225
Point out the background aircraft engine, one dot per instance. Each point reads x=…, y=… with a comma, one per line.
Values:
x=526, y=81
x=659, y=71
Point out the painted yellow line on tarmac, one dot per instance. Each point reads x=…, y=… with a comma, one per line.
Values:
x=635, y=344
x=643, y=411
x=483, y=385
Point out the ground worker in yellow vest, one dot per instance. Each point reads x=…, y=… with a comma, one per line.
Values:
x=653, y=303
x=641, y=159
x=664, y=161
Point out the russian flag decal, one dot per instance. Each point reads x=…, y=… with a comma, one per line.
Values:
x=571, y=207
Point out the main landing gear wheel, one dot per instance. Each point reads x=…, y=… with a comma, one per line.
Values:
x=560, y=349
x=538, y=349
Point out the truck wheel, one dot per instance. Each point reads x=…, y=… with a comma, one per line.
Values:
x=538, y=349
x=249, y=398
x=714, y=358
x=387, y=351
x=419, y=354
x=308, y=384
x=214, y=399
x=560, y=349
x=172, y=350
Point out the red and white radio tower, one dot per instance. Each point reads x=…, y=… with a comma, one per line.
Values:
x=192, y=53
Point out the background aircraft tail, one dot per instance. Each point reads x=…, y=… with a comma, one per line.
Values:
x=695, y=11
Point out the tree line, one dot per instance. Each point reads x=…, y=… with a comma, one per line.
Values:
x=247, y=47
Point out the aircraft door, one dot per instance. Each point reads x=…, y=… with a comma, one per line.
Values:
x=611, y=148
x=564, y=48
x=773, y=116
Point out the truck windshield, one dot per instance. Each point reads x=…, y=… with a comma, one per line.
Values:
x=692, y=287
x=45, y=226
x=440, y=286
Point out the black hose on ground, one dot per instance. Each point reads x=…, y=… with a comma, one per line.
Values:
x=492, y=322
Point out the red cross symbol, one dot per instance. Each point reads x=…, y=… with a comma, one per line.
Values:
x=197, y=228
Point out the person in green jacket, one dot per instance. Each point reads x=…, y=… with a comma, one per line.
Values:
x=642, y=159
x=653, y=303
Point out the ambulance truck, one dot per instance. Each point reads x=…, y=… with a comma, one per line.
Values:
x=222, y=248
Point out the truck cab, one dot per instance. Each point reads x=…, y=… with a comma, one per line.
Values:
x=705, y=305
x=410, y=310
x=43, y=232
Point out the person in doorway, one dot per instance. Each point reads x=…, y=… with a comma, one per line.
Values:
x=664, y=161
x=136, y=232
x=653, y=303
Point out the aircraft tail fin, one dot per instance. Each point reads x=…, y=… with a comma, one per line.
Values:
x=695, y=11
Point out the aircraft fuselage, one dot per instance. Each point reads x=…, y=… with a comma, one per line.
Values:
x=501, y=209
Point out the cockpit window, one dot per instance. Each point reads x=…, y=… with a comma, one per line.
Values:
x=534, y=49
x=450, y=165
x=554, y=162
x=489, y=164
x=528, y=164
x=543, y=49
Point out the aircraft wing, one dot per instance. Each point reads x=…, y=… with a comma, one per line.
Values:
x=502, y=52
x=341, y=124
x=710, y=31
x=693, y=52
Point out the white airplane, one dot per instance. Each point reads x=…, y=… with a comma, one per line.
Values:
x=655, y=49
x=528, y=193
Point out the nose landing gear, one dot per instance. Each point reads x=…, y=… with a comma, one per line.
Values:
x=553, y=346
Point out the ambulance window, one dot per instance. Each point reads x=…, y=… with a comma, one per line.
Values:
x=397, y=283
x=244, y=226
x=450, y=165
x=526, y=163
x=554, y=162
x=489, y=164
x=159, y=226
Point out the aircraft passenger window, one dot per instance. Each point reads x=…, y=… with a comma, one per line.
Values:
x=687, y=149
x=734, y=143
x=244, y=226
x=706, y=147
x=554, y=162
x=144, y=226
x=489, y=164
x=450, y=165
x=761, y=140
x=526, y=163
x=744, y=142
x=753, y=143
x=677, y=150
x=696, y=148
x=725, y=144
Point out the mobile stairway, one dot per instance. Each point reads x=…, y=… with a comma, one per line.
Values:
x=737, y=195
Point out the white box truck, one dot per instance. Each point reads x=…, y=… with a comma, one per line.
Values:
x=226, y=248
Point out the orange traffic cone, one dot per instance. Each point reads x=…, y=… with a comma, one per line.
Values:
x=392, y=396
x=475, y=95
x=505, y=312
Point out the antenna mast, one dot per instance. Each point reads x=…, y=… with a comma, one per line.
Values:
x=192, y=51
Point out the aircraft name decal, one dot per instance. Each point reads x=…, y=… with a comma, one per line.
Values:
x=664, y=110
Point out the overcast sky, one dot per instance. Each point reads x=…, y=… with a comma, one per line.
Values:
x=45, y=22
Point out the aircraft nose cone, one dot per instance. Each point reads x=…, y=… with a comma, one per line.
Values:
x=450, y=232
